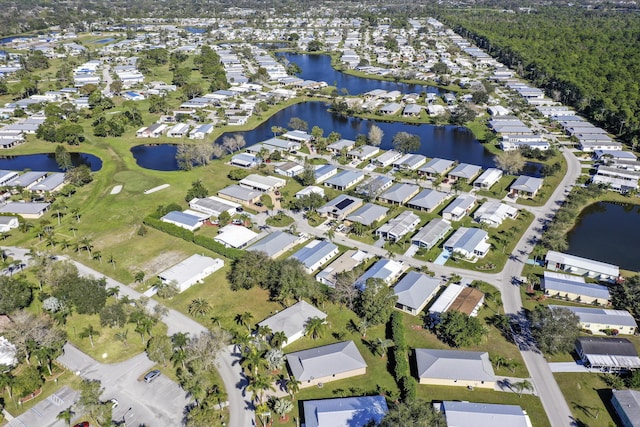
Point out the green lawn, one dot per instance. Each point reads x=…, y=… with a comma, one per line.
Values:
x=588, y=398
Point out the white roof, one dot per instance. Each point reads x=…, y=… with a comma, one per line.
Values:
x=601, y=316
x=188, y=268
x=554, y=257
x=235, y=236
x=319, y=362
x=467, y=414
x=454, y=365
x=264, y=183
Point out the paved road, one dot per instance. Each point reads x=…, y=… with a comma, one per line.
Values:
x=160, y=403
x=241, y=412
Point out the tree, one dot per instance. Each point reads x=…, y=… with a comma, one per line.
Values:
x=380, y=346
x=63, y=158
x=90, y=392
x=554, y=329
x=282, y=407
x=199, y=307
x=160, y=349
x=244, y=319
x=28, y=380
x=258, y=385
x=375, y=136
x=459, y=330
x=197, y=191
x=233, y=143
x=79, y=175
x=15, y=294
x=406, y=142
x=462, y=114
x=298, y=124
x=66, y=415
x=113, y=316
x=511, y=162
x=308, y=176
x=414, y=413
x=520, y=386
x=89, y=332
x=375, y=302
x=278, y=339
x=315, y=327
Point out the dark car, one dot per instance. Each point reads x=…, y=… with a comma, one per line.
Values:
x=151, y=375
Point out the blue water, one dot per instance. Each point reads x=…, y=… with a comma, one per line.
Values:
x=46, y=162
x=6, y=40
x=195, y=30
x=608, y=232
x=318, y=68
x=156, y=157
x=104, y=41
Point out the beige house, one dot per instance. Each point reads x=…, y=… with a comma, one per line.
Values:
x=332, y=362
x=455, y=368
x=598, y=320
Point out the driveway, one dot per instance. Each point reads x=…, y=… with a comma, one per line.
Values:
x=160, y=403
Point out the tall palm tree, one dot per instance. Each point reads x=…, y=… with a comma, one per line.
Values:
x=89, y=332
x=244, y=319
x=112, y=261
x=522, y=386
x=380, y=346
x=199, y=307
x=86, y=244
x=293, y=386
x=66, y=415
x=122, y=335
x=258, y=385
x=315, y=327
x=253, y=361
x=278, y=339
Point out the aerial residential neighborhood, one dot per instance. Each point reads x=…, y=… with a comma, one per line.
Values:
x=340, y=215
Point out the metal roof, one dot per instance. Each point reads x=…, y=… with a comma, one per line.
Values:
x=314, y=251
x=601, y=316
x=400, y=192
x=292, y=320
x=274, y=243
x=554, y=257
x=344, y=411
x=415, y=288
x=454, y=365
x=319, y=362
x=565, y=283
x=368, y=214
x=461, y=414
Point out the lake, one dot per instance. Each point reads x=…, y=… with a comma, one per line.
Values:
x=46, y=162
x=608, y=232
x=318, y=68
x=447, y=142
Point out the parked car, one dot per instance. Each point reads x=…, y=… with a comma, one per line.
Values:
x=151, y=375
x=82, y=424
x=237, y=222
x=114, y=402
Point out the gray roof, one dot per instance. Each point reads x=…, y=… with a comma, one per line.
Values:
x=313, y=252
x=364, y=151
x=430, y=234
x=384, y=269
x=400, y=225
x=341, y=144
x=399, y=192
x=628, y=402
x=340, y=204
x=281, y=143
x=187, y=268
x=454, y=365
x=50, y=183
x=344, y=178
x=465, y=170
x=292, y=320
x=466, y=239
x=323, y=170
x=368, y=214
x=437, y=166
x=528, y=184
x=212, y=205
x=428, y=199
x=410, y=161
x=182, y=218
x=564, y=283
x=484, y=415
x=415, y=288
x=274, y=243
x=325, y=361
x=609, y=352
x=554, y=257
x=24, y=208
x=601, y=316
x=344, y=411
x=240, y=193
x=26, y=179
x=460, y=205
x=373, y=186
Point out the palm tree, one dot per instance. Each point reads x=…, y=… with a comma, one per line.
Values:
x=331, y=234
x=144, y=327
x=58, y=207
x=522, y=385
x=264, y=331
x=216, y=320
x=113, y=292
x=73, y=229
x=293, y=386
x=253, y=361
x=258, y=385
x=499, y=360
x=7, y=380
x=86, y=244
x=76, y=212
x=315, y=327
x=282, y=407
x=97, y=255
x=89, y=332
x=122, y=336
x=199, y=307
x=380, y=346
x=278, y=339
x=112, y=261
x=66, y=415
x=242, y=341
x=244, y=319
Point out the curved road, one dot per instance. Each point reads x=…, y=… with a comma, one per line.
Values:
x=240, y=407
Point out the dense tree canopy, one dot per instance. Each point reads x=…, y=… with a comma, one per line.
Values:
x=15, y=293
x=555, y=330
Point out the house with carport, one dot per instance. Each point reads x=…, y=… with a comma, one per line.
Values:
x=608, y=354
x=399, y=194
x=387, y=270
x=558, y=261
x=460, y=414
x=453, y=368
x=488, y=178
x=599, y=321
x=627, y=406
x=265, y=184
x=458, y=297
x=459, y=207
x=436, y=167
x=324, y=172
x=344, y=180
x=235, y=236
x=574, y=288
x=368, y=214
x=387, y=158
x=320, y=365
x=414, y=291
x=396, y=228
x=464, y=172
x=240, y=194
x=526, y=186
x=358, y=411
x=493, y=213
x=190, y=271
x=432, y=232
x=213, y=206
x=469, y=243
x=340, y=207
x=275, y=244
x=315, y=254
x=345, y=262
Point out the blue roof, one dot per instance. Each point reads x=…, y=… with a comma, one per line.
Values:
x=346, y=411
x=565, y=283
x=182, y=218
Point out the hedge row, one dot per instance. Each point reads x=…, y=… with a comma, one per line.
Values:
x=189, y=236
x=400, y=358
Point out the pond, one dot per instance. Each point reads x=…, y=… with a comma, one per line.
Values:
x=608, y=232
x=46, y=162
x=160, y=157
x=447, y=142
x=318, y=68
